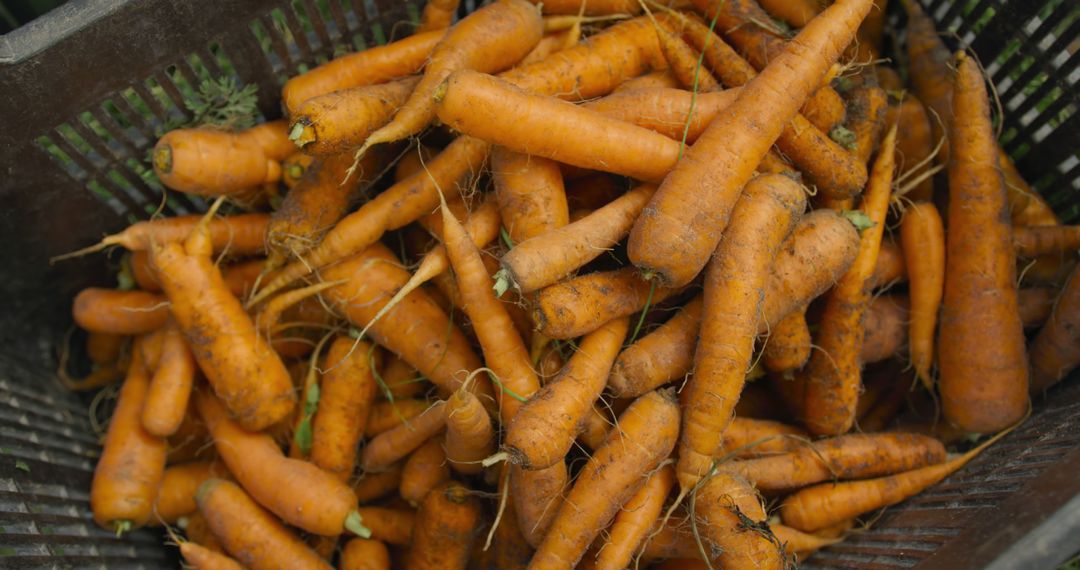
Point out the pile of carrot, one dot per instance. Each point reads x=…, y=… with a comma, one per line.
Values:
x=604, y=283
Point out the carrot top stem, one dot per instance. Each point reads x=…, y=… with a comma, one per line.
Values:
x=354, y=523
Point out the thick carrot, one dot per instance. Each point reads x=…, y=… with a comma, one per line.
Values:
x=176, y=493
x=364, y=554
x=914, y=144
x=546, y=426
x=437, y=15
x=212, y=162
x=530, y=194
x=659, y=79
x=504, y=350
x=249, y=533
x=198, y=531
x=853, y=456
x=1033, y=241
x=537, y=495
x=371, y=486
x=239, y=363
x=983, y=384
x=297, y=491
x=167, y=398
x=378, y=64
x=922, y=231
x=795, y=12
x=731, y=522
x=470, y=437
x=205, y=559
x=385, y=449
x=833, y=375
x=1054, y=352
x=633, y=523
x=488, y=40
x=385, y=416
x=581, y=305
x=346, y=393
x=472, y=103
x=425, y=469
x=681, y=227
x=119, y=312
x=129, y=471
x=800, y=544
x=818, y=252
x=788, y=344
x=592, y=7
x=238, y=235
x=610, y=478
x=820, y=506
x=765, y=214
x=338, y=122
x=446, y=525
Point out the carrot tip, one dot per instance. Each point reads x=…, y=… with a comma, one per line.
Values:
x=354, y=523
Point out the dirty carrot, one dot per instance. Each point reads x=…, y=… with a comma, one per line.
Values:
x=119, y=312
x=530, y=194
x=176, y=493
x=795, y=12
x=682, y=62
x=385, y=449
x=891, y=266
x=1053, y=352
x=592, y=7
x=914, y=144
x=294, y=167
x=346, y=393
x=922, y=231
x=425, y=469
x=788, y=344
x=170, y=388
x=537, y=495
x=446, y=525
x=470, y=437
x=798, y=543
x=388, y=415
x=633, y=523
x=239, y=235
x=747, y=437
x=1033, y=241
x=338, y=122
x=730, y=519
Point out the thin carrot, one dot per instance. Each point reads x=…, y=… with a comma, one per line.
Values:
x=132, y=462
x=747, y=437
x=401, y=379
x=683, y=61
x=765, y=214
x=425, y=469
x=385, y=449
x=249, y=533
x=833, y=375
x=167, y=398
x=390, y=525
x=633, y=523
x=205, y=559
x=800, y=544
x=1033, y=241
x=530, y=194
x=198, y=531
x=546, y=426
x=549, y=44
x=489, y=39
x=375, y=485
x=338, y=122
x=509, y=549
x=176, y=493
x=866, y=119
x=983, y=384
x=470, y=437
x=610, y=478
x=385, y=416
x=665, y=110
x=297, y=491
x=922, y=231
x=446, y=525
x=795, y=12
x=346, y=393
x=659, y=79
x=914, y=144
x=104, y=348
x=364, y=554
x=682, y=225
x=1053, y=352
x=592, y=7
x=119, y=312
x=788, y=344
x=437, y=15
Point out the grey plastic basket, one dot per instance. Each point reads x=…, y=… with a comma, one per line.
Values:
x=83, y=90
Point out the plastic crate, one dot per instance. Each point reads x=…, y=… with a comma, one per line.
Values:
x=83, y=90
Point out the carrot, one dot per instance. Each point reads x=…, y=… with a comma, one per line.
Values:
x=888, y=406
x=386, y=448
x=249, y=533
x=673, y=540
x=119, y=312
x=378, y=64
x=150, y=347
x=731, y=521
x=914, y=144
x=853, y=456
x=205, y=559
x=735, y=280
x=595, y=427
x=104, y=348
x=799, y=544
x=681, y=227
x=488, y=40
x=238, y=235
x=294, y=167
x=1053, y=352
x=504, y=351
x=748, y=437
x=240, y=365
x=1034, y=241
x=297, y=491
x=198, y=531
x=346, y=393
x=983, y=384
x=471, y=102
x=592, y=7
x=833, y=374
x=446, y=525
x=364, y=554
x=1026, y=206
x=176, y=493
x=132, y=462
x=401, y=379
x=509, y=549
x=795, y=12
x=385, y=416
x=546, y=426
x=820, y=249
x=530, y=194
x=371, y=486
x=338, y=122
x=633, y=523
x=470, y=437
x=537, y=495
x=610, y=478
x=394, y=526
x=826, y=504
x=1036, y=303
x=577, y=306
x=437, y=15
x=665, y=110
x=170, y=387
x=212, y=162
x=866, y=119
x=425, y=469
x=922, y=231
x=929, y=63
x=682, y=62
x=551, y=43
x=891, y=265
x=659, y=79
x=788, y=345
x=885, y=327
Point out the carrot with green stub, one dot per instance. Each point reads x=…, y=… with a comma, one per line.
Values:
x=132, y=462
x=346, y=393
x=983, y=383
x=388, y=447
x=530, y=193
x=683, y=222
x=633, y=523
x=446, y=525
x=211, y=162
x=170, y=388
x=425, y=469
x=537, y=495
x=114, y=311
x=1054, y=351
x=922, y=231
x=294, y=167
x=470, y=436
x=338, y=122
x=833, y=375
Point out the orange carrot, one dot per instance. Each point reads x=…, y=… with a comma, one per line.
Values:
x=922, y=231
x=530, y=194
x=401, y=379
x=132, y=462
x=633, y=523
x=885, y=327
x=346, y=393
x=364, y=554
x=509, y=549
x=425, y=469
x=437, y=15
x=537, y=495
x=104, y=348
x=732, y=524
x=795, y=12
x=866, y=119
x=659, y=79
x=294, y=167
x=765, y=214
x=1033, y=241
x=198, y=531
x=665, y=110
x=983, y=384
x=338, y=122
x=546, y=426
x=446, y=525
x=1053, y=352
x=385, y=416
x=833, y=375
x=470, y=437
x=371, y=486
x=747, y=437
x=205, y=559
x=385, y=449
x=378, y=64
x=212, y=162
x=238, y=235
x=297, y=491
x=167, y=398
x=119, y=312
x=891, y=266
x=391, y=525
x=914, y=144
x=800, y=544
x=682, y=225
x=788, y=344
x=682, y=62
x=592, y=7
x=249, y=533
x=610, y=478
x=176, y=493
